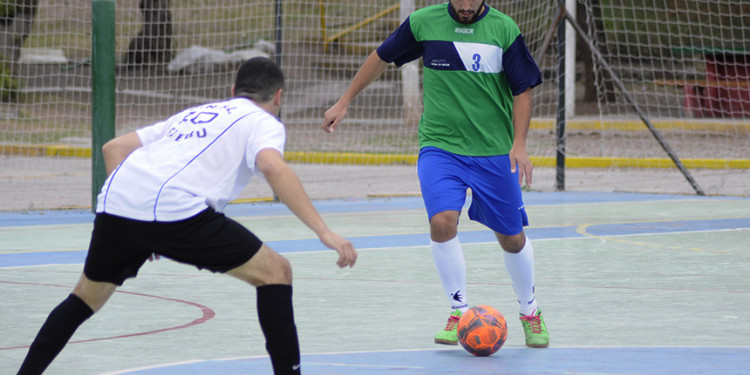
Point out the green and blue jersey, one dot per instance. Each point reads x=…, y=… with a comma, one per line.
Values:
x=471, y=73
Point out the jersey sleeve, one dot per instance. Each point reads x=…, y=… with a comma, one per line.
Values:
x=269, y=133
x=401, y=46
x=152, y=133
x=520, y=67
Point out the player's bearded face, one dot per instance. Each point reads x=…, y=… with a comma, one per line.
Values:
x=467, y=10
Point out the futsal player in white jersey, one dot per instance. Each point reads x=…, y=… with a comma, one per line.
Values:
x=166, y=188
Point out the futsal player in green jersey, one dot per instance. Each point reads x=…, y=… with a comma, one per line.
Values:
x=478, y=76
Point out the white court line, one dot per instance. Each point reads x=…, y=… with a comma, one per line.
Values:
x=582, y=237
x=160, y=366
x=39, y=265
x=334, y=364
x=120, y=372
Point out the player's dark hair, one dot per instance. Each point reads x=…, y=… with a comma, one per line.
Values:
x=258, y=79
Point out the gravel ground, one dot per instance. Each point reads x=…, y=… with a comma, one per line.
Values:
x=33, y=183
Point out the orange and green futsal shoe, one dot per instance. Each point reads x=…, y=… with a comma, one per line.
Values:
x=535, y=330
x=449, y=335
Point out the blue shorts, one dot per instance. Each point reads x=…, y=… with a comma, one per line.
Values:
x=496, y=195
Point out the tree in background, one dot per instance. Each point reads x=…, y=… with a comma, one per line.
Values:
x=153, y=44
x=590, y=76
x=16, y=20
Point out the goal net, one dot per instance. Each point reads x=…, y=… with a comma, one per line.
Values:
x=174, y=54
x=686, y=65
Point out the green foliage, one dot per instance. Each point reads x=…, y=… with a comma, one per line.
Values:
x=9, y=85
x=7, y=10
x=667, y=24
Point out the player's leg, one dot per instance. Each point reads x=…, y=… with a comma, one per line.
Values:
x=87, y=298
x=94, y=293
x=448, y=257
x=211, y=240
x=497, y=203
x=518, y=255
x=444, y=195
x=264, y=268
x=271, y=274
x=106, y=263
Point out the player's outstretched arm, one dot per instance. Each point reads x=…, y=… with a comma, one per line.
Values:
x=522, y=104
x=288, y=187
x=117, y=149
x=370, y=70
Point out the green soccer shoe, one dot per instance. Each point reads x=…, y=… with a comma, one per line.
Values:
x=535, y=330
x=449, y=335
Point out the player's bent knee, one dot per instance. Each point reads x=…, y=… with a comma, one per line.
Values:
x=512, y=244
x=444, y=226
x=280, y=272
x=264, y=268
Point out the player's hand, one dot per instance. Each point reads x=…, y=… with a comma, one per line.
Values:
x=519, y=158
x=333, y=117
x=347, y=253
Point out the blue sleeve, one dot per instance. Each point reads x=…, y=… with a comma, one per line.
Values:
x=520, y=67
x=401, y=47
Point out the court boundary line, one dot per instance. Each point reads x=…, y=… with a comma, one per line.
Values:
x=207, y=314
x=256, y=357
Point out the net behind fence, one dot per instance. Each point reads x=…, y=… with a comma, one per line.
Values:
x=685, y=64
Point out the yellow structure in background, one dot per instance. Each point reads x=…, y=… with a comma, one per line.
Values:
x=327, y=40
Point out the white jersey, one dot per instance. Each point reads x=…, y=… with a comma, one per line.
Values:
x=201, y=157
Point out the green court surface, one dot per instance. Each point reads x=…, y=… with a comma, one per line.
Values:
x=629, y=284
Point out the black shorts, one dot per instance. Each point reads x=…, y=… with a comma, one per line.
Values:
x=210, y=240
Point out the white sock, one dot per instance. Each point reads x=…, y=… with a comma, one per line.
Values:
x=451, y=267
x=520, y=267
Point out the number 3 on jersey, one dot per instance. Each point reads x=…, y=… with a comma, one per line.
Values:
x=476, y=58
x=480, y=58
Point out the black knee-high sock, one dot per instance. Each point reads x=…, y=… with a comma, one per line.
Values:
x=276, y=318
x=61, y=323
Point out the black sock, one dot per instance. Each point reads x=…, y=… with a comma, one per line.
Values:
x=276, y=318
x=61, y=323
